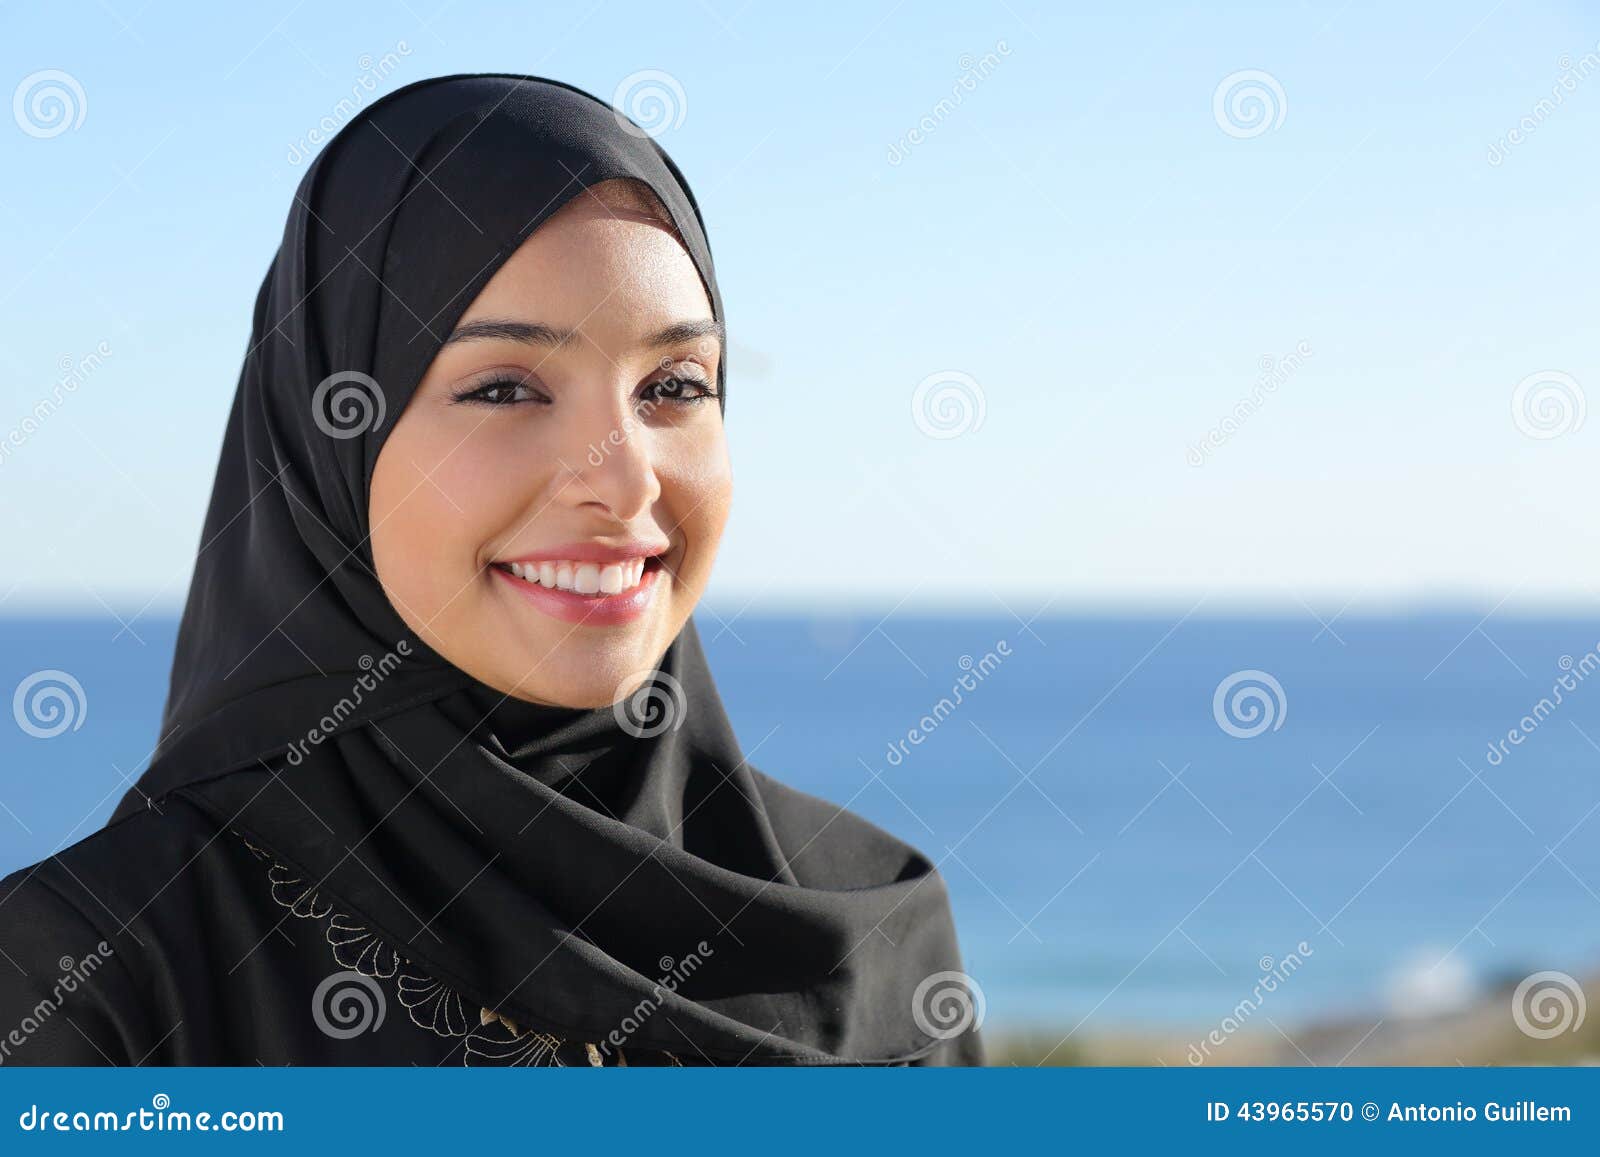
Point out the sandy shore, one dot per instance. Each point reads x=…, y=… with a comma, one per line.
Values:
x=1483, y=1033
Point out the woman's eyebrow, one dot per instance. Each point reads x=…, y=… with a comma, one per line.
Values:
x=537, y=333
x=686, y=331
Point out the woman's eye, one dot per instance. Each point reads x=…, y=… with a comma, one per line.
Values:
x=505, y=392
x=685, y=390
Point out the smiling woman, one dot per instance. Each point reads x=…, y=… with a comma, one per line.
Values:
x=504, y=512
x=444, y=776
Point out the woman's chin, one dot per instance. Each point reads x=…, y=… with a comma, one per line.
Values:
x=598, y=679
x=532, y=657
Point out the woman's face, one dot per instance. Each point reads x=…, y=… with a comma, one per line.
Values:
x=568, y=433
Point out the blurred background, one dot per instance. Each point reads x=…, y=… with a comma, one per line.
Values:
x=1178, y=413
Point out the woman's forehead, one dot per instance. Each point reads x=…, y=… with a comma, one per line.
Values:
x=592, y=273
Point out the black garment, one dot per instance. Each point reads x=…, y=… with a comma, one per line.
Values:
x=164, y=941
x=534, y=881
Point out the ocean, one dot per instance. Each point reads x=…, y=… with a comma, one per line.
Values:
x=1405, y=808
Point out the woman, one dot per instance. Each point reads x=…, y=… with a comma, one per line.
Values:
x=443, y=776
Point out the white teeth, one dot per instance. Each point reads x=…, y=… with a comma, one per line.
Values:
x=586, y=578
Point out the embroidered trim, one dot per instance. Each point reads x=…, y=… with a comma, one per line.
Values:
x=491, y=1037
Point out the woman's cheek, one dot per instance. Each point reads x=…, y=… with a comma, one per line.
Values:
x=479, y=486
x=699, y=505
x=713, y=493
x=703, y=472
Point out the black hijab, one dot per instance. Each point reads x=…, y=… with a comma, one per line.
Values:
x=558, y=865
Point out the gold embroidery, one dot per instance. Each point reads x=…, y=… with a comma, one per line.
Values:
x=432, y=1004
x=489, y=1016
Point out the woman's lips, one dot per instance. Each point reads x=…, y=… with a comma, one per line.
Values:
x=596, y=610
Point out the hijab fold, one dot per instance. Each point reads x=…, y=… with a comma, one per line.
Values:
x=581, y=871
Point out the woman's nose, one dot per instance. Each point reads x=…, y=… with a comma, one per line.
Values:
x=613, y=461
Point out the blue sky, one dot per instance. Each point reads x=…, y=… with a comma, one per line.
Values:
x=1084, y=242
